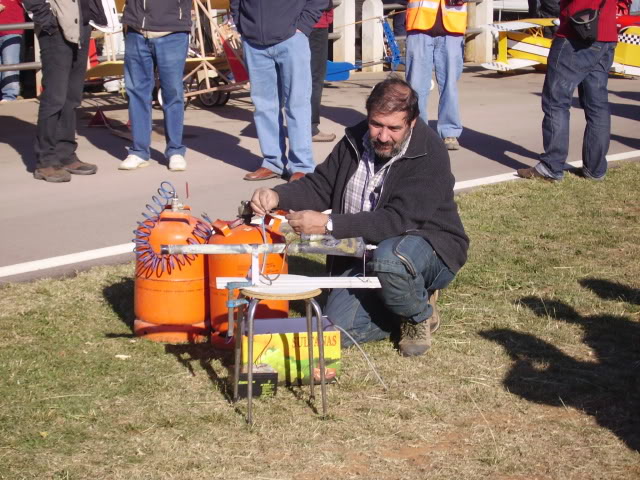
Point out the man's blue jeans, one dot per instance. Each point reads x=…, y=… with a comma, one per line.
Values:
x=409, y=271
x=445, y=54
x=10, y=55
x=168, y=54
x=280, y=76
x=570, y=64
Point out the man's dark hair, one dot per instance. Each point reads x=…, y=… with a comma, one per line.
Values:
x=392, y=95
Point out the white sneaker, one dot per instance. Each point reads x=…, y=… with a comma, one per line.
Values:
x=177, y=163
x=132, y=162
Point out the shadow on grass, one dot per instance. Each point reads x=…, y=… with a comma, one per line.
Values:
x=606, y=388
x=612, y=290
x=203, y=354
x=120, y=297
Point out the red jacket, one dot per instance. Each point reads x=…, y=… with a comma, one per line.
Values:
x=607, y=31
x=325, y=20
x=12, y=13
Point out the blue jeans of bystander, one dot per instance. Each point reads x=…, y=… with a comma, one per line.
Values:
x=10, y=55
x=168, y=54
x=445, y=54
x=280, y=76
x=570, y=64
x=409, y=271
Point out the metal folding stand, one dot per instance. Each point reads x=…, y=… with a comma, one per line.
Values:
x=262, y=293
x=286, y=287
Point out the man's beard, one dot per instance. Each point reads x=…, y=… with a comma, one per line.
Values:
x=396, y=147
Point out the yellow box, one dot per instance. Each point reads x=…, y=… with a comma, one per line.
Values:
x=282, y=344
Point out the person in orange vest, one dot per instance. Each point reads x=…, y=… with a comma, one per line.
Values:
x=435, y=40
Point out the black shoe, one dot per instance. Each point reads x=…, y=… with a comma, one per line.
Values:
x=79, y=167
x=52, y=174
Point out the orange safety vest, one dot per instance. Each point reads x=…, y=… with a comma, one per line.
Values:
x=421, y=15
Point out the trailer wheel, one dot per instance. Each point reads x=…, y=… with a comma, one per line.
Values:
x=213, y=99
x=209, y=99
x=224, y=95
x=157, y=96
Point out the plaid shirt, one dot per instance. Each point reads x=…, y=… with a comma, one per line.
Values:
x=365, y=186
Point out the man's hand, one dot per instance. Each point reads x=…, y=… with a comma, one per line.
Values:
x=264, y=200
x=308, y=221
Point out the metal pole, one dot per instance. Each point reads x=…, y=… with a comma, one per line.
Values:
x=250, y=318
x=310, y=349
x=21, y=66
x=16, y=26
x=320, y=329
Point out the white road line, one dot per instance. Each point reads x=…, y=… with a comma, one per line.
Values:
x=505, y=177
x=72, y=258
x=62, y=260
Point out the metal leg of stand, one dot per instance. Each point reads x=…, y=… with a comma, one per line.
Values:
x=320, y=329
x=237, y=349
x=250, y=317
x=310, y=348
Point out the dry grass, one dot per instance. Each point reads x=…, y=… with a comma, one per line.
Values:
x=533, y=375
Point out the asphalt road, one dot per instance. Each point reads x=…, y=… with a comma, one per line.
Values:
x=42, y=221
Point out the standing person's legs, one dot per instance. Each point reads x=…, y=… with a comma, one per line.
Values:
x=319, y=49
x=57, y=58
x=66, y=136
x=595, y=99
x=294, y=68
x=265, y=95
x=10, y=55
x=420, y=67
x=139, y=82
x=170, y=53
x=561, y=80
x=448, y=60
x=549, y=9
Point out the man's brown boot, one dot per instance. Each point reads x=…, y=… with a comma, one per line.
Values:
x=78, y=167
x=415, y=338
x=52, y=174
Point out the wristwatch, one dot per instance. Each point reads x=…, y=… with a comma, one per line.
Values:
x=328, y=228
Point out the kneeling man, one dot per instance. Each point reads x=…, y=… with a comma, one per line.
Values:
x=388, y=181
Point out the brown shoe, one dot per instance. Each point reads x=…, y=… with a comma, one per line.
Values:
x=79, y=167
x=415, y=338
x=52, y=174
x=323, y=137
x=260, y=174
x=296, y=176
x=532, y=174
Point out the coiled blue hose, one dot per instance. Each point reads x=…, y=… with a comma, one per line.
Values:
x=148, y=262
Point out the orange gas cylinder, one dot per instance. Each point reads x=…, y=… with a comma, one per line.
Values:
x=170, y=290
x=238, y=265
